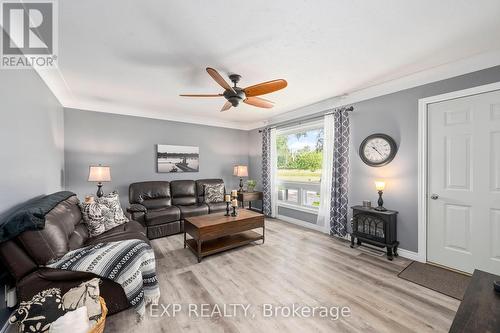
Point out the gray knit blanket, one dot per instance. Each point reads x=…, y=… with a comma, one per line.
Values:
x=130, y=263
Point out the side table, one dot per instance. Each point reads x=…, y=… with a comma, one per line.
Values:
x=249, y=197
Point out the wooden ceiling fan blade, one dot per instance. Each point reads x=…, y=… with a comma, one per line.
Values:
x=259, y=102
x=200, y=95
x=226, y=106
x=265, y=87
x=219, y=79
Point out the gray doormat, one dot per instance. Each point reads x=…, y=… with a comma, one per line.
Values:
x=444, y=281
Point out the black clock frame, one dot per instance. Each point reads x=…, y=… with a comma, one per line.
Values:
x=392, y=143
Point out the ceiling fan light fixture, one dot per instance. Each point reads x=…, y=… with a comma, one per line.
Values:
x=235, y=98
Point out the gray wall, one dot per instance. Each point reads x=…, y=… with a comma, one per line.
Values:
x=396, y=115
x=32, y=154
x=32, y=136
x=128, y=145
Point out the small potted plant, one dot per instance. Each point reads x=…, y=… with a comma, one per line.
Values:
x=251, y=185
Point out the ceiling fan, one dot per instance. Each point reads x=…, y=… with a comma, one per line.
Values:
x=234, y=95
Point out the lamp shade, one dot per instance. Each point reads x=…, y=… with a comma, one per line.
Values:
x=240, y=171
x=99, y=173
x=380, y=185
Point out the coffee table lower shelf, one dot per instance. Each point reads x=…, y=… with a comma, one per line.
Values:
x=217, y=245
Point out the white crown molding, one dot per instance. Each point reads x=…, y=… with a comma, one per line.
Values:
x=165, y=116
x=438, y=73
x=255, y=125
x=56, y=83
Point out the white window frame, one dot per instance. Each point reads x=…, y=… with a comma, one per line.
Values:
x=301, y=127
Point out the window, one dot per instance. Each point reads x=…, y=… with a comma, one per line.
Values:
x=299, y=162
x=311, y=198
x=300, y=155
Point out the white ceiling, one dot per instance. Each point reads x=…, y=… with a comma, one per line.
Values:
x=135, y=57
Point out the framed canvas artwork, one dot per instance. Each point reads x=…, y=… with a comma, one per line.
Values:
x=177, y=158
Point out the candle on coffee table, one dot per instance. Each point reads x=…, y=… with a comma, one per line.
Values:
x=234, y=203
x=227, y=198
x=234, y=193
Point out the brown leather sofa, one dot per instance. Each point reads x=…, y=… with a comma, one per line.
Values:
x=213, y=207
x=151, y=205
x=162, y=206
x=25, y=255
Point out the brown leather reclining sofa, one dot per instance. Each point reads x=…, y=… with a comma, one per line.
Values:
x=25, y=255
x=162, y=206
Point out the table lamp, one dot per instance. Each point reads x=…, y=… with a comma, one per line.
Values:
x=99, y=174
x=380, y=186
x=240, y=171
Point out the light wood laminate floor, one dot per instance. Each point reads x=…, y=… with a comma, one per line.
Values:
x=294, y=266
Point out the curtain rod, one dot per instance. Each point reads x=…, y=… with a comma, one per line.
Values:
x=350, y=109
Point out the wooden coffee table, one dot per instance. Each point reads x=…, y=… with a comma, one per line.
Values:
x=215, y=233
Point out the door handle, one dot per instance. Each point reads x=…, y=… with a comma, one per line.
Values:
x=434, y=196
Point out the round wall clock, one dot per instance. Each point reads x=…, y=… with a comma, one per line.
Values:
x=378, y=150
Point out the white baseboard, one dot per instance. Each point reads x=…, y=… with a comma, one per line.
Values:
x=410, y=255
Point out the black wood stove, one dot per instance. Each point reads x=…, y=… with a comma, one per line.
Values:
x=378, y=228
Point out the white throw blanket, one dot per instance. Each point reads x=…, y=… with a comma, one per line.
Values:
x=130, y=263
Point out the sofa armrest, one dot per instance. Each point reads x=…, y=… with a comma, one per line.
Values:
x=16, y=260
x=136, y=208
x=46, y=278
x=137, y=212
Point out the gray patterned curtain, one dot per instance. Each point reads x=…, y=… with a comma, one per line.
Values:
x=266, y=171
x=340, y=179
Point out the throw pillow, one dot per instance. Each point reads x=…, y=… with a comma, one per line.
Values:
x=87, y=295
x=37, y=314
x=214, y=193
x=74, y=321
x=96, y=217
x=112, y=201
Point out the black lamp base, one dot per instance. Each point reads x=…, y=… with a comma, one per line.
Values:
x=241, y=185
x=100, y=192
x=380, y=202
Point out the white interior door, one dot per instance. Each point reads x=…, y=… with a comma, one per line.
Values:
x=463, y=225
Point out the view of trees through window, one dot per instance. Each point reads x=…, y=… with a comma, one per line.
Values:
x=299, y=163
x=300, y=155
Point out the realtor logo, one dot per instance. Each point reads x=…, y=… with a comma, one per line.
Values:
x=29, y=34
